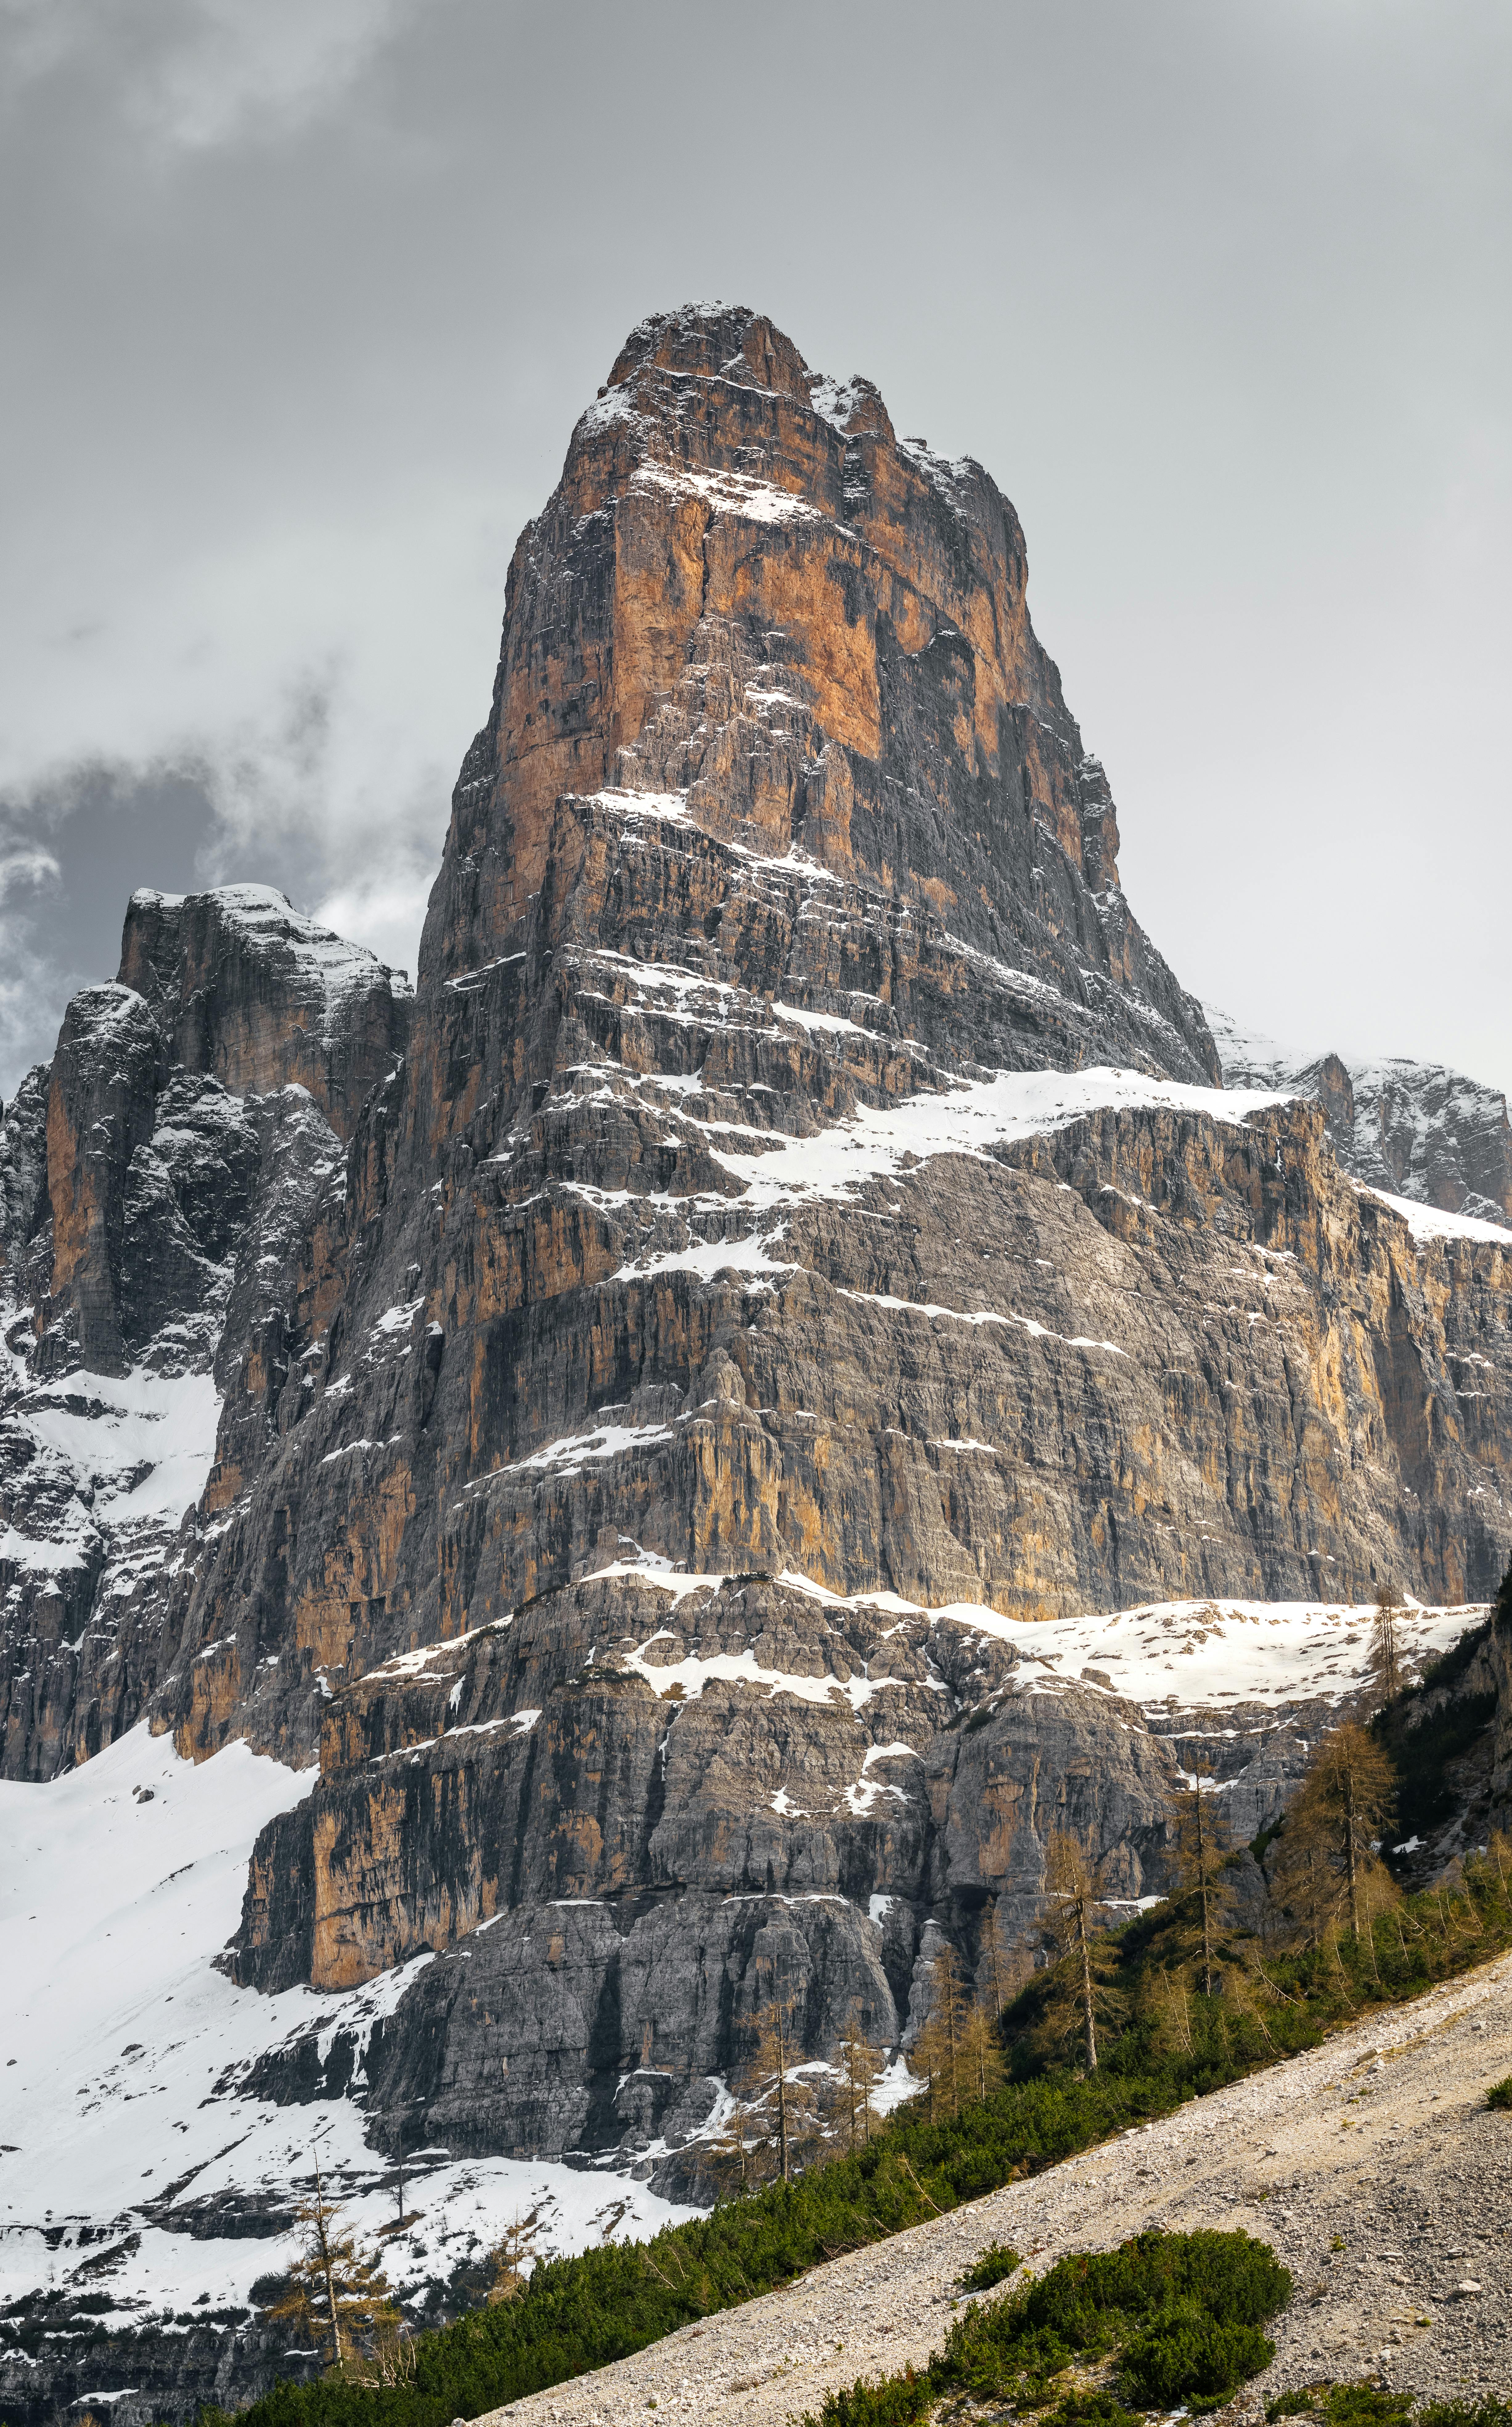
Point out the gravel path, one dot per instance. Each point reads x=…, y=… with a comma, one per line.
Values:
x=1379, y=2140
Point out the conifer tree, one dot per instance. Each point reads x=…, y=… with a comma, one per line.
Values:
x=512, y=2259
x=1202, y=1850
x=1003, y=1963
x=860, y=2066
x=335, y=2294
x=1072, y=1891
x=1386, y=1644
x=777, y=2049
x=939, y=2051
x=981, y=2053
x=1344, y=1801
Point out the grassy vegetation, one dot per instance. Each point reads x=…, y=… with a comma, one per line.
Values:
x=1161, y=2045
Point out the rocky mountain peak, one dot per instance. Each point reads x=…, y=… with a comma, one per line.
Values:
x=750, y=600
x=727, y=342
x=794, y=1385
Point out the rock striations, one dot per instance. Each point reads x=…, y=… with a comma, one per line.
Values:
x=802, y=1236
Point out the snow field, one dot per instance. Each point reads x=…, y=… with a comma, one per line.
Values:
x=112, y=1909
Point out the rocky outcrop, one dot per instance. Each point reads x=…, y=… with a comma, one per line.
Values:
x=247, y=990
x=1413, y=1129
x=154, y=1183
x=803, y=1241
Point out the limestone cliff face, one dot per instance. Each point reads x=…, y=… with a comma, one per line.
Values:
x=804, y=1230
x=153, y=1184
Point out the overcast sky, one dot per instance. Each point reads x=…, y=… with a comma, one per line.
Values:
x=299, y=303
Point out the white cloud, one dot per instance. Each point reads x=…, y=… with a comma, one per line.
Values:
x=198, y=73
x=320, y=680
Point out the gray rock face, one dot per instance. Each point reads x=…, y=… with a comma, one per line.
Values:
x=804, y=1232
x=143, y=1200
x=1413, y=1129
x=248, y=990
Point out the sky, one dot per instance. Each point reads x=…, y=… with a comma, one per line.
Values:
x=299, y=304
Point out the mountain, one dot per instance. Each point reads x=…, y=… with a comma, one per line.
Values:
x=1413, y=1131
x=611, y=1462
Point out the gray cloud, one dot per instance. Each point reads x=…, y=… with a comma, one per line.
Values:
x=303, y=300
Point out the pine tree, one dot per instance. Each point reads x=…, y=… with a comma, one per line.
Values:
x=1386, y=1645
x=335, y=2295
x=1344, y=1800
x=1202, y=1850
x=1071, y=1888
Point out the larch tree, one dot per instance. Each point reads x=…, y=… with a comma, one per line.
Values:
x=1344, y=1802
x=1072, y=1892
x=860, y=2069
x=769, y=2073
x=1003, y=1963
x=1203, y=1844
x=1386, y=1644
x=335, y=2295
x=939, y=2051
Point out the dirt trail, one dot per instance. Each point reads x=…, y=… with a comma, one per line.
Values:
x=1380, y=2140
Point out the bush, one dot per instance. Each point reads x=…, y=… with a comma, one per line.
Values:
x=1490, y=2413
x=1290, y=2405
x=896, y=2402
x=1499, y=2094
x=1187, y=2357
x=1365, y=2405
x=1185, y=2307
x=998, y=2260
x=1090, y=2410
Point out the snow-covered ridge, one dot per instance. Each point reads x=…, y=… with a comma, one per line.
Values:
x=1427, y=1222
x=1190, y=1654
x=267, y=923
x=1416, y=1134
x=729, y=493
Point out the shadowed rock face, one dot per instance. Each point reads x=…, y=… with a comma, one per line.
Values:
x=153, y=1183
x=806, y=1176
x=247, y=990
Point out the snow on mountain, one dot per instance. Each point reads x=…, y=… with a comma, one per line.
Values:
x=129, y=2123
x=128, y=2128
x=1186, y=1656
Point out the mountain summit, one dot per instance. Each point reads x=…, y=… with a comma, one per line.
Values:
x=676, y=1390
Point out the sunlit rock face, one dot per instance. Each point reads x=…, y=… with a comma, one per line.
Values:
x=803, y=1248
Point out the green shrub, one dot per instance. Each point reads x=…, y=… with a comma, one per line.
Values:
x=1365, y=2405
x=998, y=2260
x=1490, y=2413
x=1186, y=2308
x=1185, y=2355
x=1098, y=2409
x=897, y=2401
x=1290, y=2405
x=1500, y=2094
